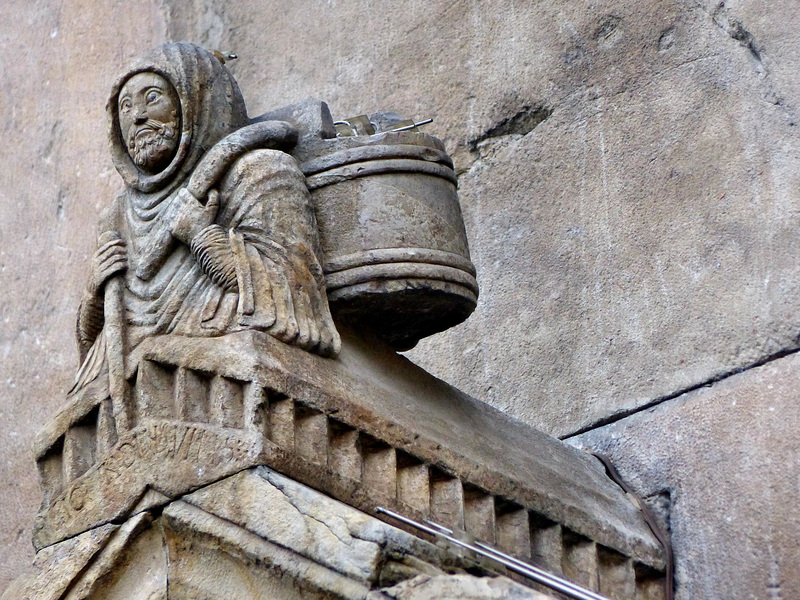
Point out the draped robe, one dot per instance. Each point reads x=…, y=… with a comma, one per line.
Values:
x=256, y=267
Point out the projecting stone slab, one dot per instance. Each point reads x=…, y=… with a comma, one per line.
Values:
x=369, y=428
x=375, y=392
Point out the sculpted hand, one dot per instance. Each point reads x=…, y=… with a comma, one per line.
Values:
x=191, y=216
x=111, y=257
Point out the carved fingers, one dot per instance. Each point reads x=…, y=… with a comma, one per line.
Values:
x=285, y=327
x=307, y=330
x=301, y=318
x=110, y=258
x=192, y=216
x=331, y=343
x=307, y=308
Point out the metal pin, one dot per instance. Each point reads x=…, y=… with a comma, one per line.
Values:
x=344, y=129
x=413, y=125
x=224, y=56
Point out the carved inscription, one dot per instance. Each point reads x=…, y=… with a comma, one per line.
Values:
x=173, y=458
x=160, y=442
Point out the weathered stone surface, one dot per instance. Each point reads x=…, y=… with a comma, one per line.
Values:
x=723, y=464
x=459, y=587
x=418, y=446
x=662, y=180
x=296, y=518
x=255, y=535
x=687, y=261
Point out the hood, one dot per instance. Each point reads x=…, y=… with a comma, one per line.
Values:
x=211, y=107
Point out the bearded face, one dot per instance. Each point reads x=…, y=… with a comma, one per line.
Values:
x=149, y=120
x=152, y=145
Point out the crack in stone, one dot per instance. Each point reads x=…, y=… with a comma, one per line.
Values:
x=348, y=542
x=369, y=577
x=624, y=414
x=168, y=557
x=525, y=120
x=737, y=32
x=774, y=586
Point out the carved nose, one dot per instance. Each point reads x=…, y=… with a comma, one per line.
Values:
x=140, y=118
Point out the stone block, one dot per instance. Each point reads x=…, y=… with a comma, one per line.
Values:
x=286, y=513
x=479, y=514
x=728, y=458
x=255, y=535
x=345, y=451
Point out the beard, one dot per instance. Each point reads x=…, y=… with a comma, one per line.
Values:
x=152, y=145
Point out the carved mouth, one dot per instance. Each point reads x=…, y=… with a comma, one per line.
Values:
x=150, y=127
x=145, y=129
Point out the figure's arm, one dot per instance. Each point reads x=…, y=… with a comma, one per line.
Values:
x=267, y=254
x=274, y=240
x=109, y=259
x=208, y=242
x=90, y=322
x=193, y=222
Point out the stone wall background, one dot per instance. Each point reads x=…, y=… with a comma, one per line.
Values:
x=628, y=178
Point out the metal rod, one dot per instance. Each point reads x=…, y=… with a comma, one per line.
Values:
x=502, y=557
x=532, y=572
x=413, y=125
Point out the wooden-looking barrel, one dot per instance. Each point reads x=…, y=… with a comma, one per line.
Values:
x=396, y=257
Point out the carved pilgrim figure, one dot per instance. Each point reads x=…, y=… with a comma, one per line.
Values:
x=215, y=231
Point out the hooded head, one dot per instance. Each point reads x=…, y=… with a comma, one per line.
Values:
x=211, y=107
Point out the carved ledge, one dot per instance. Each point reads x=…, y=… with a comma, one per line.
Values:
x=370, y=429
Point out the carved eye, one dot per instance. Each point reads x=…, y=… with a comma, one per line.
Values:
x=152, y=96
x=125, y=105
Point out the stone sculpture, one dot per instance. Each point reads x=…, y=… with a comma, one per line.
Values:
x=216, y=412
x=215, y=231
